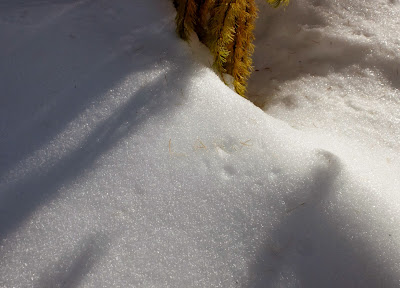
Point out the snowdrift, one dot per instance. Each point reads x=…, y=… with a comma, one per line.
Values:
x=126, y=162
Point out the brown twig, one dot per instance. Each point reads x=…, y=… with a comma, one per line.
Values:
x=294, y=208
x=245, y=143
x=202, y=145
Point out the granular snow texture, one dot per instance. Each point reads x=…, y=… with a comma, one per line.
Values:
x=126, y=162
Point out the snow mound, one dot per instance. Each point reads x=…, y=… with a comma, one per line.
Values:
x=126, y=162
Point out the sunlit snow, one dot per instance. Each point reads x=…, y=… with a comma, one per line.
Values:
x=125, y=161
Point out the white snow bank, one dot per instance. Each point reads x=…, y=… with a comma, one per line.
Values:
x=333, y=68
x=126, y=162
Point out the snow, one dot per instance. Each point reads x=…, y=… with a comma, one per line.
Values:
x=126, y=162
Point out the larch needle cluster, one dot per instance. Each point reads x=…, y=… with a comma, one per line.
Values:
x=226, y=27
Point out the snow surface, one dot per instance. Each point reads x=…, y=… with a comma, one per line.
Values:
x=126, y=162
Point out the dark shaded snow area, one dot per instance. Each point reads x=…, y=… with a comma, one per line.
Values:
x=126, y=162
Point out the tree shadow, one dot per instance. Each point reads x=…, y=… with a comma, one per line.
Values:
x=140, y=54
x=309, y=249
x=300, y=47
x=57, y=71
x=72, y=268
x=24, y=3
